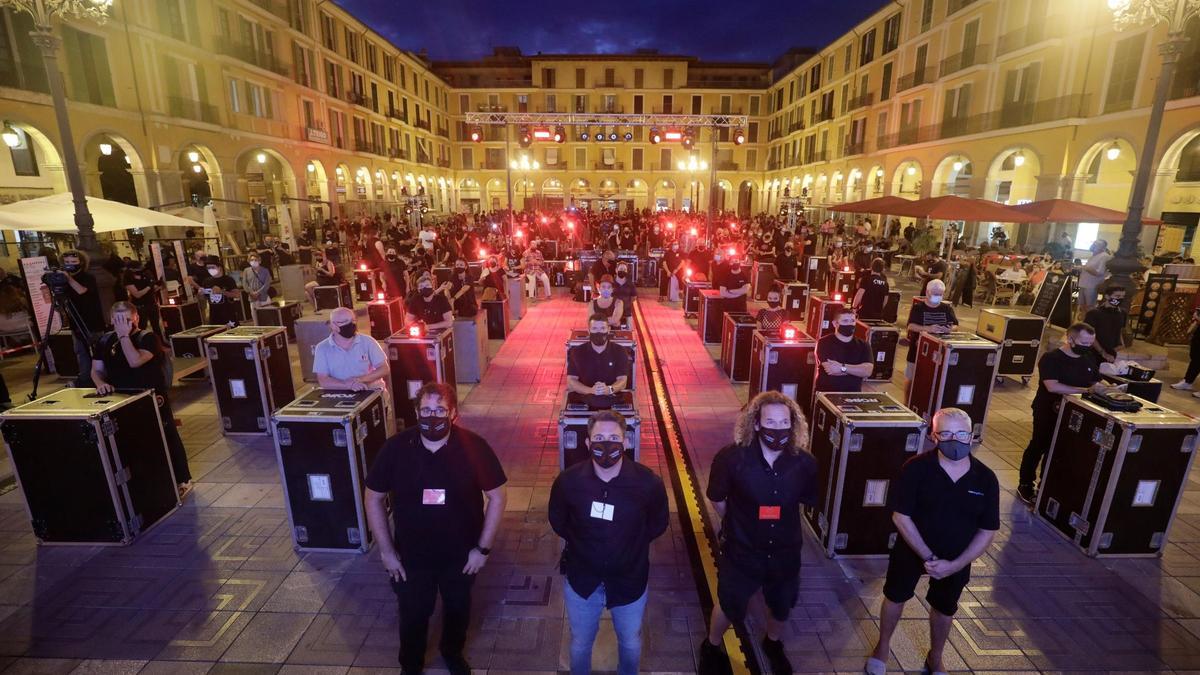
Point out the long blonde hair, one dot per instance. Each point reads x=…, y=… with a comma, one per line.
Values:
x=743, y=429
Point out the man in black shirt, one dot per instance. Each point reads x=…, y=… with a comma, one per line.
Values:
x=437, y=475
x=734, y=285
x=872, y=292
x=1070, y=369
x=461, y=292
x=930, y=316
x=786, y=261
x=607, y=264
x=131, y=358
x=946, y=508
x=671, y=273
x=83, y=296
x=432, y=309
x=222, y=293
x=607, y=512
x=935, y=272
x=1109, y=321
x=757, y=486
x=599, y=368
x=844, y=360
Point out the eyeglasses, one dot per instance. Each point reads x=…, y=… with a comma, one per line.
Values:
x=962, y=436
x=434, y=412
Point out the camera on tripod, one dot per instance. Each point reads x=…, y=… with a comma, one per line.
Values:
x=56, y=280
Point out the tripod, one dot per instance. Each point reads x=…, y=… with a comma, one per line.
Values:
x=74, y=322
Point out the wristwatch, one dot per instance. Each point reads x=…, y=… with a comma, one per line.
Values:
x=483, y=550
x=843, y=369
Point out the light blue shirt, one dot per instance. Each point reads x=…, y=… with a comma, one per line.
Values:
x=363, y=356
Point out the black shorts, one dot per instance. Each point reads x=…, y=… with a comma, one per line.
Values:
x=905, y=569
x=740, y=577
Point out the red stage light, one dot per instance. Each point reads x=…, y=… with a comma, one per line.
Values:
x=670, y=226
x=732, y=251
x=688, y=273
x=837, y=297
x=693, y=231
x=846, y=268
x=379, y=296
x=519, y=234
x=482, y=253
x=415, y=330
x=362, y=266
x=788, y=332
x=545, y=220
x=570, y=225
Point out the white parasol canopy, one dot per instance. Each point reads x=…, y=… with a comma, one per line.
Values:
x=56, y=213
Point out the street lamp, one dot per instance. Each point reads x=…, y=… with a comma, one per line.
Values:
x=1128, y=14
x=693, y=166
x=44, y=12
x=524, y=165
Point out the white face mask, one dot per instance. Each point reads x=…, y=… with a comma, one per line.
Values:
x=214, y=272
x=255, y=263
x=935, y=299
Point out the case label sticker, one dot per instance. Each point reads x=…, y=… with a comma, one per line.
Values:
x=237, y=388
x=768, y=513
x=966, y=394
x=433, y=497
x=880, y=357
x=875, y=493
x=1146, y=492
x=602, y=511
x=320, y=488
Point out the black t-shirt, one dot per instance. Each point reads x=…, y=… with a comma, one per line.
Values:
x=830, y=348
x=948, y=514
x=465, y=305
x=221, y=305
x=924, y=315
x=671, y=260
x=428, y=311
x=875, y=289
x=938, y=267
x=762, y=512
x=87, y=304
x=141, y=282
x=590, y=366
x=785, y=265
x=731, y=280
x=437, y=497
x=1108, y=324
x=284, y=256
x=119, y=374
x=1073, y=371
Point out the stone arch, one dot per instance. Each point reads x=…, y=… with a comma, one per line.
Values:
x=114, y=168
x=952, y=176
x=907, y=179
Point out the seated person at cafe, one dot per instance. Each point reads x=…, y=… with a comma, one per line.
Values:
x=597, y=369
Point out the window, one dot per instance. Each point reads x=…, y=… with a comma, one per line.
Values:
x=752, y=132
x=551, y=103
x=697, y=104
x=464, y=103
x=637, y=159
x=351, y=39
x=522, y=103
x=87, y=60
x=1085, y=235
x=866, y=50
x=580, y=81
x=548, y=78
x=610, y=77
x=891, y=33
x=468, y=158
x=814, y=78
x=881, y=125
x=664, y=160
x=259, y=101
x=668, y=78
x=1189, y=162
x=580, y=158
x=886, y=92
x=926, y=15
x=337, y=129
x=754, y=105
x=638, y=105
x=1122, y=76
x=848, y=59
x=389, y=69
x=235, y=96
x=24, y=159
x=956, y=108
x=333, y=79
x=328, y=32
x=305, y=64
x=845, y=98
x=639, y=78
x=752, y=160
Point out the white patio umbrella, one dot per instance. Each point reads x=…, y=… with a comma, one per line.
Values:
x=56, y=213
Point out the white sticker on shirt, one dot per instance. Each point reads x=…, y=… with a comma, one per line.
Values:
x=602, y=511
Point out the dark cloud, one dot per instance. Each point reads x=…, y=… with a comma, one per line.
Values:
x=468, y=29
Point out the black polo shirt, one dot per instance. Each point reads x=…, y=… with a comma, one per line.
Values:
x=1073, y=371
x=590, y=366
x=924, y=315
x=948, y=514
x=854, y=352
x=428, y=311
x=875, y=289
x=437, y=497
x=608, y=527
x=120, y=374
x=762, y=513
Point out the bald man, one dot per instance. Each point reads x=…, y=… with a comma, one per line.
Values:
x=347, y=359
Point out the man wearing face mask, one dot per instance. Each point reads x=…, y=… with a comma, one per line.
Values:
x=491, y=279
x=1092, y=274
x=930, y=316
x=671, y=273
x=348, y=359
x=844, y=360
x=872, y=291
x=1070, y=369
x=534, y=265
x=438, y=476
x=598, y=368
x=735, y=286
x=786, y=261
x=607, y=512
x=757, y=486
x=771, y=318
x=623, y=288
x=256, y=281
x=606, y=265
x=142, y=291
x=222, y=293
x=396, y=271
x=1109, y=321
x=461, y=293
x=946, y=508
x=428, y=307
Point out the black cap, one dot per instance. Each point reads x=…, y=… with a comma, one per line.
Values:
x=212, y=260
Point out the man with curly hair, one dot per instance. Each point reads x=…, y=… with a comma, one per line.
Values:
x=757, y=485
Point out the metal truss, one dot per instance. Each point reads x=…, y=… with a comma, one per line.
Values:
x=605, y=120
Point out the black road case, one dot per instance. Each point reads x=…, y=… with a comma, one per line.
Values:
x=62, y=353
x=178, y=315
x=366, y=283
x=814, y=271
x=794, y=297
x=497, y=318
x=1019, y=335
x=783, y=364
x=332, y=297
x=691, y=296
x=572, y=428
x=737, y=334
x=882, y=338
x=844, y=281
x=623, y=338
x=891, y=307
x=1113, y=481
x=647, y=270
x=819, y=321
x=1148, y=389
x=762, y=280
x=386, y=316
x=251, y=377
x=711, y=319
x=326, y=442
x=310, y=331
x=189, y=343
x=279, y=313
x=954, y=370
x=93, y=469
x=861, y=441
x=415, y=360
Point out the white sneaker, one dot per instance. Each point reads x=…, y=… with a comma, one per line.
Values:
x=1196, y=395
x=1182, y=386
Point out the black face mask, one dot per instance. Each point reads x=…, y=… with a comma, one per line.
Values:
x=71, y=269
x=606, y=454
x=426, y=292
x=953, y=449
x=347, y=330
x=392, y=258
x=433, y=428
x=598, y=339
x=777, y=440
x=1114, y=303
x=622, y=275
x=1080, y=350
x=845, y=331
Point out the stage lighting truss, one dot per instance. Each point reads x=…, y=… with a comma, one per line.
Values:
x=683, y=129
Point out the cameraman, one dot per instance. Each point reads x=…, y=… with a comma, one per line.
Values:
x=81, y=293
x=142, y=290
x=129, y=358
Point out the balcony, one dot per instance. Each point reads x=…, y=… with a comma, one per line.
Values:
x=193, y=110
x=423, y=124
x=615, y=166
x=609, y=84
x=491, y=108
x=727, y=166
x=276, y=7
x=397, y=114
x=718, y=111
x=916, y=78
x=303, y=79
x=397, y=153
x=854, y=148
x=956, y=5
x=822, y=116
x=773, y=165
x=610, y=110
x=1031, y=34
x=774, y=134
x=666, y=111
x=493, y=165
x=1010, y=116
x=423, y=158
x=360, y=99
x=443, y=163
x=553, y=111
x=975, y=56
x=816, y=156
x=860, y=101
x=249, y=54
x=444, y=132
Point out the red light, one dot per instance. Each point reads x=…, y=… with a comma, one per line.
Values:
x=837, y=297
x=693, y=231
x=171, y=300
x=482, y=253
x=476, y=135
x=545, y=220
x=733, y=226
x=688, y=273
x=362, y=266
x=570, y=225
x=789, y=332
x=670, y=226
x=519, y=234
x=542, y=134
x=732, y=251
x=846, y=268
x=673, y=135
x=414, y=330
x=379, y=297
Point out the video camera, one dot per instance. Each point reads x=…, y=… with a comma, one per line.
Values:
x=56, y=280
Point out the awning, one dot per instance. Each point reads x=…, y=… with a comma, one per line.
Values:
x=950, y=207
x=56, y=213
x=1067, y=211
x=874, y=205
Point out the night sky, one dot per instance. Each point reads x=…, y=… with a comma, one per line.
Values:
x=753, y=31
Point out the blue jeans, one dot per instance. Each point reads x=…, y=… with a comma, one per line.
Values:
x=584, y=616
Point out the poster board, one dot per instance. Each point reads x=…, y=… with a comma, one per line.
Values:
x=32, y=270
x=1053, y=298
x=181, y=260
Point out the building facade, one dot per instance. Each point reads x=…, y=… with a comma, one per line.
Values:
x=298, y=103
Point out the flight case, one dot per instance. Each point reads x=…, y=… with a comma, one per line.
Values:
x=1113, y=481
x=691, y=296
x=93, y=469
x=794, y=297
x=762, y=280
x=1019, y=335
x=179, y=315
x=279, y=313
x=326, y=442
x=820, y=313
x=251, y=377
x=415, y=360
x=332, y=297
x=572, y=428
x=736, y=336
x=711, y=318
x=190, y=343
x=785, y=365
x=861, y=441
x=882, y=338
x=954, y=370
x=310, y=331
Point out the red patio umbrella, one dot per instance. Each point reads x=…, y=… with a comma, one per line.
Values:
x=950, y=207
x=873, y=205
x=1067, y=211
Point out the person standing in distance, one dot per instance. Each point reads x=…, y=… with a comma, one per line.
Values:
x=946, y=507
x=757, y=486
x=438, y=476
x=1092, y=274
x=83, y=295
x=1109, y=321
x=607, y=512
x=872, y=292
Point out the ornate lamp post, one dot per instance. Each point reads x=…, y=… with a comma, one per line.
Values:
x=1126, y=14
x=44, y=12
x=524, y=166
